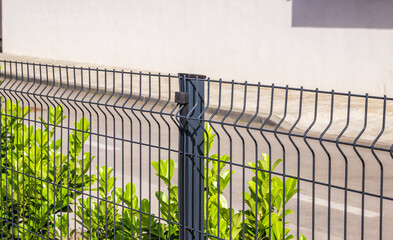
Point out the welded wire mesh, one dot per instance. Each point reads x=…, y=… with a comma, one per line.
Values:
x=97, y=153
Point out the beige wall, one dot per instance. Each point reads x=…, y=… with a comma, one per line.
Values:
x=272, y=41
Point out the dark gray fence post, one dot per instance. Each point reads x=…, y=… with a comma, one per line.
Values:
x=191, y=162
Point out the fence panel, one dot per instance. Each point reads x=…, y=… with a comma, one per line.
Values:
x=108, y=154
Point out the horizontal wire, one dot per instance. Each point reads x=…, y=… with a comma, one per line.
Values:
x=211, y=121
x=139, y=73
x=175, y=76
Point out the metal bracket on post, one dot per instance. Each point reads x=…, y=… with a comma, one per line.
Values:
x=181, y=98
x=191, y=161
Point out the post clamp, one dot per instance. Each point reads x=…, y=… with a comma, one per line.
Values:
x=181, y=98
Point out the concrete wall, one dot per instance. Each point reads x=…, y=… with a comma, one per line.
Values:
x=300, y=42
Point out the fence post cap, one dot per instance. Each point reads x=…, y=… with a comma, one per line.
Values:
x=192, y=75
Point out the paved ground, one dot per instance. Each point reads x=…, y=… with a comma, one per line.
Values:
x=132, y=161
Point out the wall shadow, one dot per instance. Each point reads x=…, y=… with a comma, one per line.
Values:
x=376, y=14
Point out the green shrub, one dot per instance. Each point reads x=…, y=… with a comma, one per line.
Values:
x=225, y=222
x=40, y=186
x=257, y=216
x=38, y=183
x=98, y=219
x=222, y=221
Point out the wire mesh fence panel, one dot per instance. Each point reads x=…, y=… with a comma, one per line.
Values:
x=107, y=154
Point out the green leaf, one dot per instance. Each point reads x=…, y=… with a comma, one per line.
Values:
x=128, y=195
x=145, y=206
x=302, y=237
x=209, y=138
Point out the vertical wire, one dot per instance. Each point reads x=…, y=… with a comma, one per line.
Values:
x=76, y=130
x=179, y=127
x=61, y=150
x=114, y=144
x=298, y=160
x=69, y=155
x=54, y=183
x=98, y=138
x=140, y=157
x=15, y=142
x=75, y=120
x=140, y=140
x=8, y=116
x=381, y=167
x=90, y=151
x=27, y=97
x=106, y=150
x=149, y=151
x=83, y=132
x=159, y=150
x=363, y=163
x=83, y=141
x=261, y=129
x=47, y=139
x=12, y=166
x=41, y=143
x=346, y=166
x=35, y=140
x=67, y=144
x=283, y=153
x=329, y=160
x=313, y=160
x=47, y=158
x=98, y=142
x=131, y=155
x=19, y=138
x=243, y=152
x=122, y=153
x=140, y=148
x=106, y=157
x=219, y=142
x=19, y=119
x=256, y=156
x=169, y=152
x=218, y=153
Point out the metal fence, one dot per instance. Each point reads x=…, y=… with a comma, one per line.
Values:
x=106, y=154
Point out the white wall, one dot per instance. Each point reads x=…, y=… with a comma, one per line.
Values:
x=253, y=40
